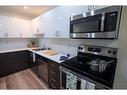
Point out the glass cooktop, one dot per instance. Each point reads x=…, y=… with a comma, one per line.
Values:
x=80, y=65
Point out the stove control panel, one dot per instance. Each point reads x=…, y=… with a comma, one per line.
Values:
x=98, y=50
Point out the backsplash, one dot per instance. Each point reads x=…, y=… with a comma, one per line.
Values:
x=13, y=43
x=70, y=45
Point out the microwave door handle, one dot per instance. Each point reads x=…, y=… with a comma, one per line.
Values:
x=102, y=22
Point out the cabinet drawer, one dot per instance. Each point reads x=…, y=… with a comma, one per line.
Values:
x=54, y=68
x=53, y=72
x=54, y=75
x=55, y=83
x=52, y=65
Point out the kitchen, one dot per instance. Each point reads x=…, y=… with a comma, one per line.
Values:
x=40, y=48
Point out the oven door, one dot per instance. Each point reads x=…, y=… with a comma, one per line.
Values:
x=81, y=27
x=89, y=84
x=63, y=78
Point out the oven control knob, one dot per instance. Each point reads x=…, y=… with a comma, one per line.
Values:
x=109, y=51
x=114, y=52
x=79, y=48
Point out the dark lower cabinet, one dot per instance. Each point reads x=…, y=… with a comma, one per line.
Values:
x=12, y=62
x=20, y=60
x=54, y=75
x=5, y=64
x=48, y=70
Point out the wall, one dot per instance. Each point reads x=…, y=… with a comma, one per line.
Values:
x=121, y=72
x=13, y=43
x=70, y=46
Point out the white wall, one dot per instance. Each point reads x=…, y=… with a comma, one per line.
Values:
x=70, y=46
x=13, y=43
x=121, y=72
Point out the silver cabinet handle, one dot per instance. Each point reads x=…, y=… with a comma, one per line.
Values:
x=53, y=72
x=53, y=65
x=20, y=35
x=57, y=33
x=5, y=35
x=37, y=30
x=89, y=8
x=94, y=7
x=53, y=79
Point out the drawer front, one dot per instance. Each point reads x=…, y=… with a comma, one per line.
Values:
x=54, y=75
x=54, y=82
x=53, y=65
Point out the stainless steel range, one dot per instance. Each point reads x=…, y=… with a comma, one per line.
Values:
x=93, y=68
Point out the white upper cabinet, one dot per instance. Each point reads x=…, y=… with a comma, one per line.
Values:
x=35, y=26
x=63, y=22
x=15, y=28
x=3, y=33
x=25, y=31
x=55, y=23
x=12, y=28
x=48, y=24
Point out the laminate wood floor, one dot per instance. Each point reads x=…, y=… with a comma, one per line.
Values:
x=22, y=80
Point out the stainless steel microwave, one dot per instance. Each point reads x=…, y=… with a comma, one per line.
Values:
x=99, y=24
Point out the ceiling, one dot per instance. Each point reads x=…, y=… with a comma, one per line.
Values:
x=25, y=13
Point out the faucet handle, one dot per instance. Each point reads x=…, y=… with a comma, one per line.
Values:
x=49, y=48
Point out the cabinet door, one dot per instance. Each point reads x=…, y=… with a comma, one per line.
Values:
x=20, y=60
x=25, y=29
x=2, y=27
x=34, y=26
x=62, y=22
x=56, y=23
x=48, y=21
x=13, y=62
x=12, y=27
x=6, y=64
x=37, y=25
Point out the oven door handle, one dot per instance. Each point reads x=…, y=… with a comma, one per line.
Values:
x=66, y=71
